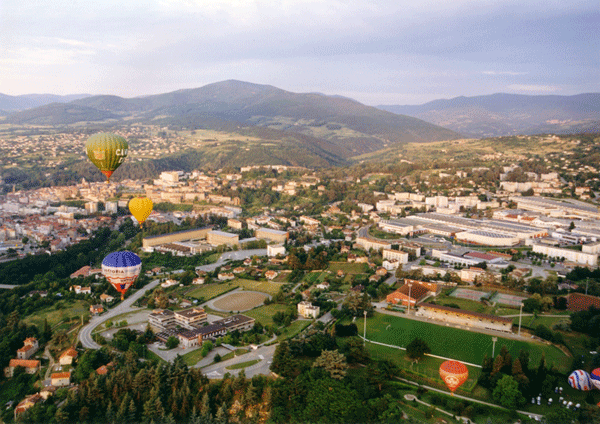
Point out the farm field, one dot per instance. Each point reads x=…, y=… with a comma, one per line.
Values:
x=264, y=314
x=69, y=309
x=455, y=343
x=210, y=291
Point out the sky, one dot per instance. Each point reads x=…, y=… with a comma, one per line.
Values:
x=377, y=52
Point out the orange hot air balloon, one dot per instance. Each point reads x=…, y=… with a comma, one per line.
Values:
x=140, y=208
x=454, y=374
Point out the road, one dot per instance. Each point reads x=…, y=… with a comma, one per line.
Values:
x=7, y=286
x=85, y=335
x=265, y=354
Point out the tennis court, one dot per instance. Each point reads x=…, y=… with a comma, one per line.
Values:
x=507, y=299
x=469, y=294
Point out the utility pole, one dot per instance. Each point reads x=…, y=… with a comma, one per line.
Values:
x=365, y=331
x=587, y=281
x=520, y=315
x=494, y=340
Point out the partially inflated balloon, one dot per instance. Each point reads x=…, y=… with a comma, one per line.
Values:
x=595, y=378
x=106, y=151
x=454, y=374
x=140, y=208
x=580, y=380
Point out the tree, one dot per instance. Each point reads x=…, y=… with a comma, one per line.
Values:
x=333, y=362
x=507, y=393
x=417, y=349
x=172, y=342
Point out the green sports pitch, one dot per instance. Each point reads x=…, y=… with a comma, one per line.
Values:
x=455, y=343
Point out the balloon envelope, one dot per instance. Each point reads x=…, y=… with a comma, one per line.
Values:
x=121, y=269
x=107, y=151
x=140, y=208
x=595, y=378
x=580, y=380
x=454, y=374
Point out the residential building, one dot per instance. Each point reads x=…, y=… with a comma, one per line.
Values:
x=68, y=356
x=272, y=235
x=276, y=249
x=30, y=346
x=60, y=379
x=307, y=310
x=31, y=366
x=218, y=238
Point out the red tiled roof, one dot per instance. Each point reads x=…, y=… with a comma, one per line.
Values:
x=61, y=375
x=69, y=352
x=27, y=363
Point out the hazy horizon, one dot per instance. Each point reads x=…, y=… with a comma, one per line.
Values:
x=384, y=53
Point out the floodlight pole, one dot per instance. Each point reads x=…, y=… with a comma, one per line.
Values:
x=520, y=315
x=409, y=290
x=365, y=332
x=494, y=340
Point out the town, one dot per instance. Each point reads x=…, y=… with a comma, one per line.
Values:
x=228, y=285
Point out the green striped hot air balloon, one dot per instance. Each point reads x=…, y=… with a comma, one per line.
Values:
x=107, y=151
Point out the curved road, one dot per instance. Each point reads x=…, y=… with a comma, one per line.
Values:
x=85, y=335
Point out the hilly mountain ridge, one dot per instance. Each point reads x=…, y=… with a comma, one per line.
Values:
x=353, y=127
x=509, y=114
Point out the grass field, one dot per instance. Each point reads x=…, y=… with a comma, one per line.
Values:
x=210, y=291
x=294, y=328
x=264, y=314
x=456, y=343
x=261, y=286
x=243, y=364
x=70, y=309
x=348, y=268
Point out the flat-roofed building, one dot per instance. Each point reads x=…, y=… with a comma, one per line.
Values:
x=399, y=255
x=576, y=256
x=218, y=238
x=234, y=223
x=191, y=318
x=466, y=318
x=487, y=238
x=367, y=244
x=274, y=250
x=162, y=319
x=272, y=235
x=198, y=233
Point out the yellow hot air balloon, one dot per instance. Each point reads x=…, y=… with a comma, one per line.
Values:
x=140, y=208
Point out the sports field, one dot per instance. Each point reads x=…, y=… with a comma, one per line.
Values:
x=240, y=301
x=455, y=343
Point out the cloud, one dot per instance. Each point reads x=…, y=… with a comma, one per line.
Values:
x=534, y=88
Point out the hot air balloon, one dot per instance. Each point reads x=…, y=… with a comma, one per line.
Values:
x=580, y=380
x=106, y=151
x=121, y=269
x=454, y=374
x=140, y=208
x=595, y=378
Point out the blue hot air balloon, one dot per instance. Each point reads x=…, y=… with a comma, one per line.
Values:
x=121, y=269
